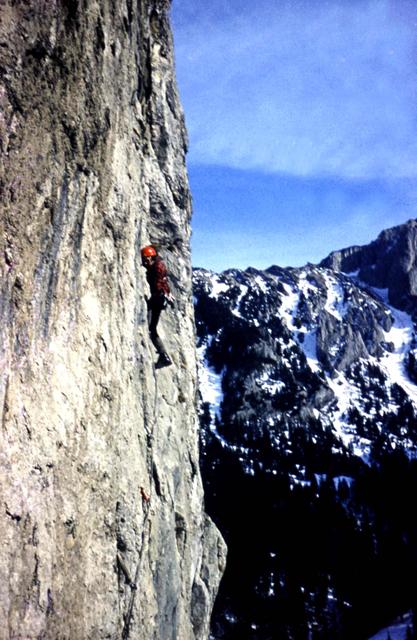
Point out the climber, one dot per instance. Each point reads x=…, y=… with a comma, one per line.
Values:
x=156, y=274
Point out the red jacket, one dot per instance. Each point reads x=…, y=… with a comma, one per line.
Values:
x=157, y=276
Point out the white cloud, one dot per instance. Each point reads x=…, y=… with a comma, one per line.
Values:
x=300, y=88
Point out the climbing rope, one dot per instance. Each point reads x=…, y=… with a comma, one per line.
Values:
x=134, y=584
x=147, y=523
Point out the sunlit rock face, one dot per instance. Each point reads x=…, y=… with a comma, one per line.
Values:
x=100, y=481
x=309, y=416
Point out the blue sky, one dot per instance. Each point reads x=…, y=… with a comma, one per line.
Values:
x=302, y=119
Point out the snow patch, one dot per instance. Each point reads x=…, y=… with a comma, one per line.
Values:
x=347, y=395
x=309, y=347
x=210, y=383
x=243, y=292
x=401, y=335
x=288, y=307
x=270, y=386
x=397, y=631
x=335, y=305
x=217, y=287
x=261, y=284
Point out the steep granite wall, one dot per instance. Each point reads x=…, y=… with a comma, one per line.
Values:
x=99, y=475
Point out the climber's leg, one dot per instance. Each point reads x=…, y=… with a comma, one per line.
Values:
x=154, y=311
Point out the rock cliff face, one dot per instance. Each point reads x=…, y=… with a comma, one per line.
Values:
x=389, y=262
x=100, y=482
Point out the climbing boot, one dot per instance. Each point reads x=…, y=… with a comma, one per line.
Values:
x=163, y=361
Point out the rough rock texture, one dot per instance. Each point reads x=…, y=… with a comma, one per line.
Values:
x=390, y=262
x=100, y=482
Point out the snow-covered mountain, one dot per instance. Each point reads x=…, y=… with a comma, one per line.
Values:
x=309, y=440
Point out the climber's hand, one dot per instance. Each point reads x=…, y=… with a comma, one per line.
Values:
x=169, y=299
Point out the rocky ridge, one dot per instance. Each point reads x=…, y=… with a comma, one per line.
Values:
x=102, y=521
x=389, y=262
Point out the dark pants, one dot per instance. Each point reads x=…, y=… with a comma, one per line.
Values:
x=155, y=306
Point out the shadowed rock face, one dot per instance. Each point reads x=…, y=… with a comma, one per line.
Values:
x=390, y=262
x=100, y=484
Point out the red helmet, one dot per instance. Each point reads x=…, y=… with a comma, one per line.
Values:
x=148, y=251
